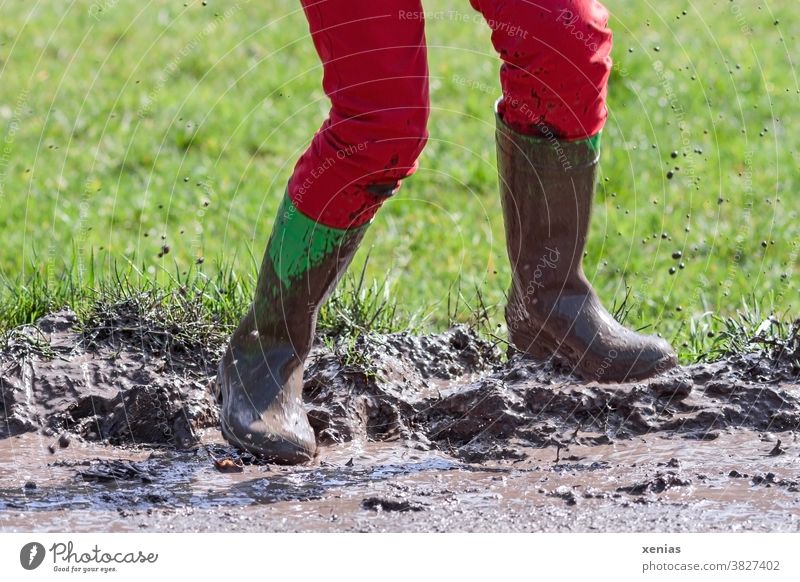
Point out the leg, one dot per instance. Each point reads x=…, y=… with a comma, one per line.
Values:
x=375, y=73
x=554, y=77
x=556, y=63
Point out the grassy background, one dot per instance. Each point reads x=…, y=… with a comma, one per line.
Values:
x=128, y=127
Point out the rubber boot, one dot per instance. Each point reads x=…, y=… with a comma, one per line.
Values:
x=260, y=377
x=547, y=186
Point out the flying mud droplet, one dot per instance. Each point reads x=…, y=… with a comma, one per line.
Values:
x=777, y=450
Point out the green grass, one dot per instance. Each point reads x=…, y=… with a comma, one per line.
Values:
x=153, y=125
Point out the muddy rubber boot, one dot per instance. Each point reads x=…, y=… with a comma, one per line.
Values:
x=260, y=377
x=547, y=188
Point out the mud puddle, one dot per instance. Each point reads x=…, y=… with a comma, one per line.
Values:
x=432, y=433
x=650, y=484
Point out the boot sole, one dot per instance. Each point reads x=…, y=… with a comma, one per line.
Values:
x=293, y=454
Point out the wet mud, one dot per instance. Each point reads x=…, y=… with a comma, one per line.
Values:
x=101, y=428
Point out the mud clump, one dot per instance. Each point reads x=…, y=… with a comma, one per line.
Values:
x=658, y=484
x=381, y=394
x=383, y=504
x=101, y=386
x=453, y=391
x=116, y=470
x=484, y=408
x=770, y=479
x=565, y=493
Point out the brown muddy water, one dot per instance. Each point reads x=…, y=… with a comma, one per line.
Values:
x=102, y=432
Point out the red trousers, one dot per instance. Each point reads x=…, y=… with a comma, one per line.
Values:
x=554, y=72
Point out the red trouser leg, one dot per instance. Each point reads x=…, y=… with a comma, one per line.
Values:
x=376, y=75
x=555, y=64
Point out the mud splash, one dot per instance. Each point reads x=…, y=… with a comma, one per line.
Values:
x=445, y=414
x=451, y=391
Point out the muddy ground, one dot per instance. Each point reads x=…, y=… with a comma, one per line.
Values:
x=111, y=426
